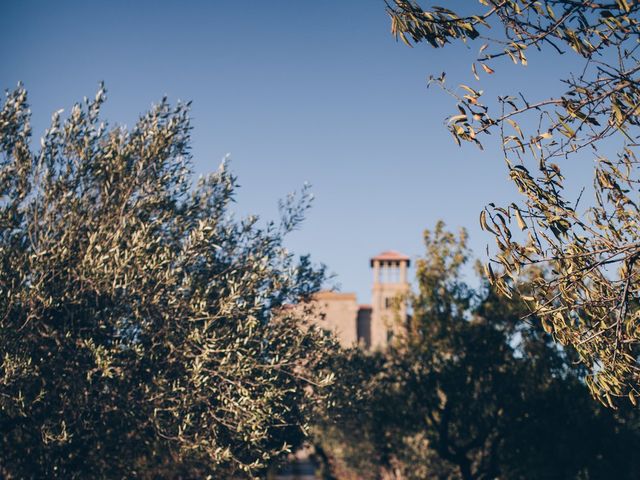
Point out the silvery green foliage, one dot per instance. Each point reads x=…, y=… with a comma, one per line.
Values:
x=590, y=244
x=138, y=326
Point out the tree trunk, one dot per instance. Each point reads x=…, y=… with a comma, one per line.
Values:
x=465, y=469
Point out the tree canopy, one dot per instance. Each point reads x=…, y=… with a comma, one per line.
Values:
x=137, y=328
x=590, y=249
x=470, y=392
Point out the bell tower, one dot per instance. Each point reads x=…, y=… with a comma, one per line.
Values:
x=389, y=283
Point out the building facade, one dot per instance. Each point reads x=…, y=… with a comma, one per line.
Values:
x=373, y=325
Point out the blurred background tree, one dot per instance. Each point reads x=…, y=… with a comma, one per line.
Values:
x=471, y=392
x=137, y=327
x=591, y=300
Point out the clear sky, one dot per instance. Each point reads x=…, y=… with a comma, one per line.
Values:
x=294, y=91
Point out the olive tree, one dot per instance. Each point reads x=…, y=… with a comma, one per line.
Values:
x=141, y=328
x=591, y=247
x=468, y=391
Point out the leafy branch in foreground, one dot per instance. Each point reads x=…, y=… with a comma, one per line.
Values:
x=137, y=327
x=590, y=300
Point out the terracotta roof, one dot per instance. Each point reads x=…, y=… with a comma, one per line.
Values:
x=390, y=255
x=330, y=295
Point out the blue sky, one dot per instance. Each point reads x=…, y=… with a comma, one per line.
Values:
x=294, y=91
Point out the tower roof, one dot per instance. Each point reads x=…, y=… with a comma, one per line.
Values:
x=390, y=256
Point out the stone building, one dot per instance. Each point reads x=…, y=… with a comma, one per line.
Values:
x=370, y=326
x=373, y=325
